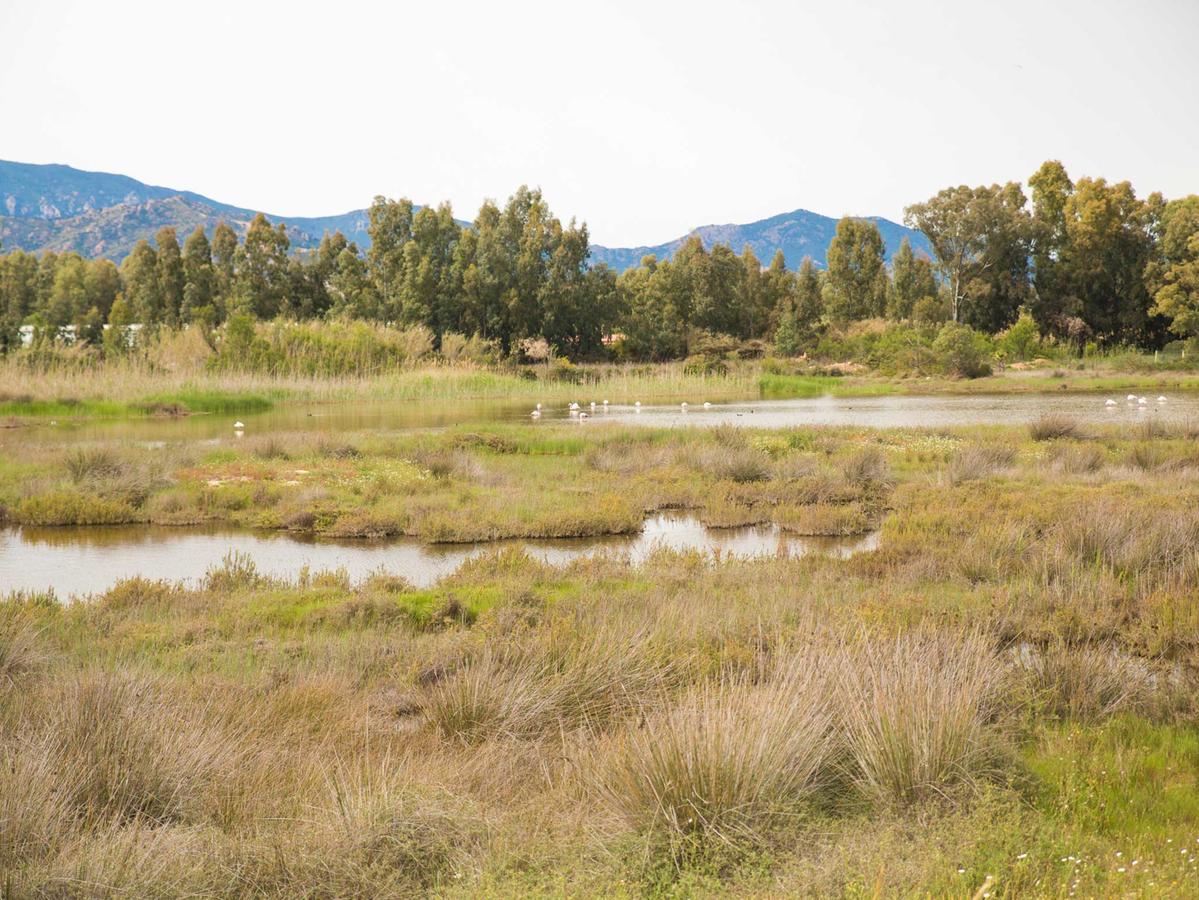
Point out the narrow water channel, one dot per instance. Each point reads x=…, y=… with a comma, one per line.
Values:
x=87, y=560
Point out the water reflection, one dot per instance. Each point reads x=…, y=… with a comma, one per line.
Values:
x=874, y=412
x=79, y=561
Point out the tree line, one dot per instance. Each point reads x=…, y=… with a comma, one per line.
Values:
x=1088, y=261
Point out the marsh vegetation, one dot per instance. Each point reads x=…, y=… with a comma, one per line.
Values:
x=941, y=713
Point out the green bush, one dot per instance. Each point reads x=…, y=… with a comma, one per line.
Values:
x=68, y=507
x=962, y=351
x=705, y=365
x=786, y=337
x=1022, y=340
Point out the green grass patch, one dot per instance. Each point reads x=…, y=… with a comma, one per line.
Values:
x=1128, y=777
x=212, y=401
x=783, y=387
x=62, y=408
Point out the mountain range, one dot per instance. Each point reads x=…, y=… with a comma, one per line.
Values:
x=96, y=214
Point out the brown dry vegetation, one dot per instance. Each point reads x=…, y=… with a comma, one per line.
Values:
x=938, y=714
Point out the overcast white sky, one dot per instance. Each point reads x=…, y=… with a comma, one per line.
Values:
x=643, y=118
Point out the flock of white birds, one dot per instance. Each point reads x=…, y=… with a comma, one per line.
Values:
x=577, y=411
x=1133, y=399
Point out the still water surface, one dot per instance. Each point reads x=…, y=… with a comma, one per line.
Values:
x=873, y=412
x=85, y=560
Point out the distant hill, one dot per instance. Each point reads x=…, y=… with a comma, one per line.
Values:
x=798, y=234
x=55, y=207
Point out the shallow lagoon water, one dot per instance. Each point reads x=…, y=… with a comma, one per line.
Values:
x=85, y=560
x=894, y=411
x=91, y=559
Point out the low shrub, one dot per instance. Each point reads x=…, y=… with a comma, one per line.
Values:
x=70, y=507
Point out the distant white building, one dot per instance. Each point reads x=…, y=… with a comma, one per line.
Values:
x=66, y=334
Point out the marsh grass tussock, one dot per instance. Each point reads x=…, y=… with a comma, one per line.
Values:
x=727, y=763
x=977, y=461
x=917, y=714
x=1052, y=426
x=21, y=651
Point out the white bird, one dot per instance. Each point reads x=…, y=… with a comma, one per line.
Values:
x=605, y=403
x=1109, y=402
x=238, y=426
x=582, y=415
x=1142, y=401
x=593, y=404
x=536, y=414
x=638, y=404
x=1132, y=397
x=1161, y=399
x=574, y=406
x=707, y=405
x=683, y=405
x=539, y=406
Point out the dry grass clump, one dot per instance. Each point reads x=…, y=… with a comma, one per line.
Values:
x=893, y=721
x=387, y=831
x=739, y=465
x=1079, y=459
x=1052, y=426
x=728, y=763
x=34, y=811
x=917, y=710
x=867, y=469
x=21, y=652
x=1086, y=683
x=995, y=552
x=123, y=748
x=824, y=519
x=794, y=466
x=128, y=859
x=1149, y=457
x=1146, y=542
x=90, y=464
x=625, y=456
x=451, y=463
x=334, y=449
x=528, y=691
x=978, y=461
x=271, y=449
